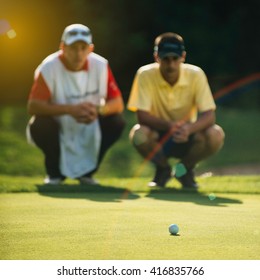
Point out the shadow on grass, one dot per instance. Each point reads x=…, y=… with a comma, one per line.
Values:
x=192, y=196
x=103, y=193
x=95, y=193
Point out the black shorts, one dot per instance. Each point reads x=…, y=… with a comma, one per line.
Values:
x=173, y=149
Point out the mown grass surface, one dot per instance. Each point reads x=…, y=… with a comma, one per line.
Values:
x=123, y=219
x=218, y=184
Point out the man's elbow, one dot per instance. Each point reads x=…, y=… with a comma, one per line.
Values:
x=34, y=107
x=213, y=118
x=30, y=108
x=121, y=107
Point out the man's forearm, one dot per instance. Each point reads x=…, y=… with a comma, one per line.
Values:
x=204, y=121
x=113, y=106
x=144, y=118
x=46, y=109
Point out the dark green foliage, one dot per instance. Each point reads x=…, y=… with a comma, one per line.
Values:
x=220, y=37
x=17, y=158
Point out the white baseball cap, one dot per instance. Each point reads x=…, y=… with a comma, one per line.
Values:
x=76, y=32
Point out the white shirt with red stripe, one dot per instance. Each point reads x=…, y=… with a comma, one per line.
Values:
x=80, y=143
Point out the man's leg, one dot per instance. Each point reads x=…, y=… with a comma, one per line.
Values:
x=146, y=142
x=204, y=144
x=45, y=133
x=111, y=129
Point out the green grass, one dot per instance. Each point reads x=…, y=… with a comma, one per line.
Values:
x=21, y=159
x=123, y=219
x=217, y=184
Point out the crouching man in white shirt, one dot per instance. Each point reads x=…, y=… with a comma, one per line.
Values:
x=76, y=108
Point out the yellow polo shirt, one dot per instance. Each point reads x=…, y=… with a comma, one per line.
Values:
x=190, y=95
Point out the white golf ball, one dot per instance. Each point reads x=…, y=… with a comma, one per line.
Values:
x=173, y=229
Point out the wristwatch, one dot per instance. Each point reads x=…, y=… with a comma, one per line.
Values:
x=101, y=110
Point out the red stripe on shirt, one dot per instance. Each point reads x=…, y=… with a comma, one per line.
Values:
x=41, y=91
x=113, y=90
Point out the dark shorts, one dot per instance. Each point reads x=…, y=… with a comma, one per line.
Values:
x=173, y=149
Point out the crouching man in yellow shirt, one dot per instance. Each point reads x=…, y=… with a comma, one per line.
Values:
x=175, y=111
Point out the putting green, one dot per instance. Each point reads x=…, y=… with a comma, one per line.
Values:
x=123, y=225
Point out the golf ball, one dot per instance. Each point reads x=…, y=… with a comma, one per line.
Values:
x=173, y=229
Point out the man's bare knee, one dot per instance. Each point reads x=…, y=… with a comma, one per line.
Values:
x=215, y=137
x=141, y=134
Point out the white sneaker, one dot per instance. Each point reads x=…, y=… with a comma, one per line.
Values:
x=88, y=181
x=52, y=181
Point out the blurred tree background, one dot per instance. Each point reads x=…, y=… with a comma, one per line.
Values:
x=221, y=36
